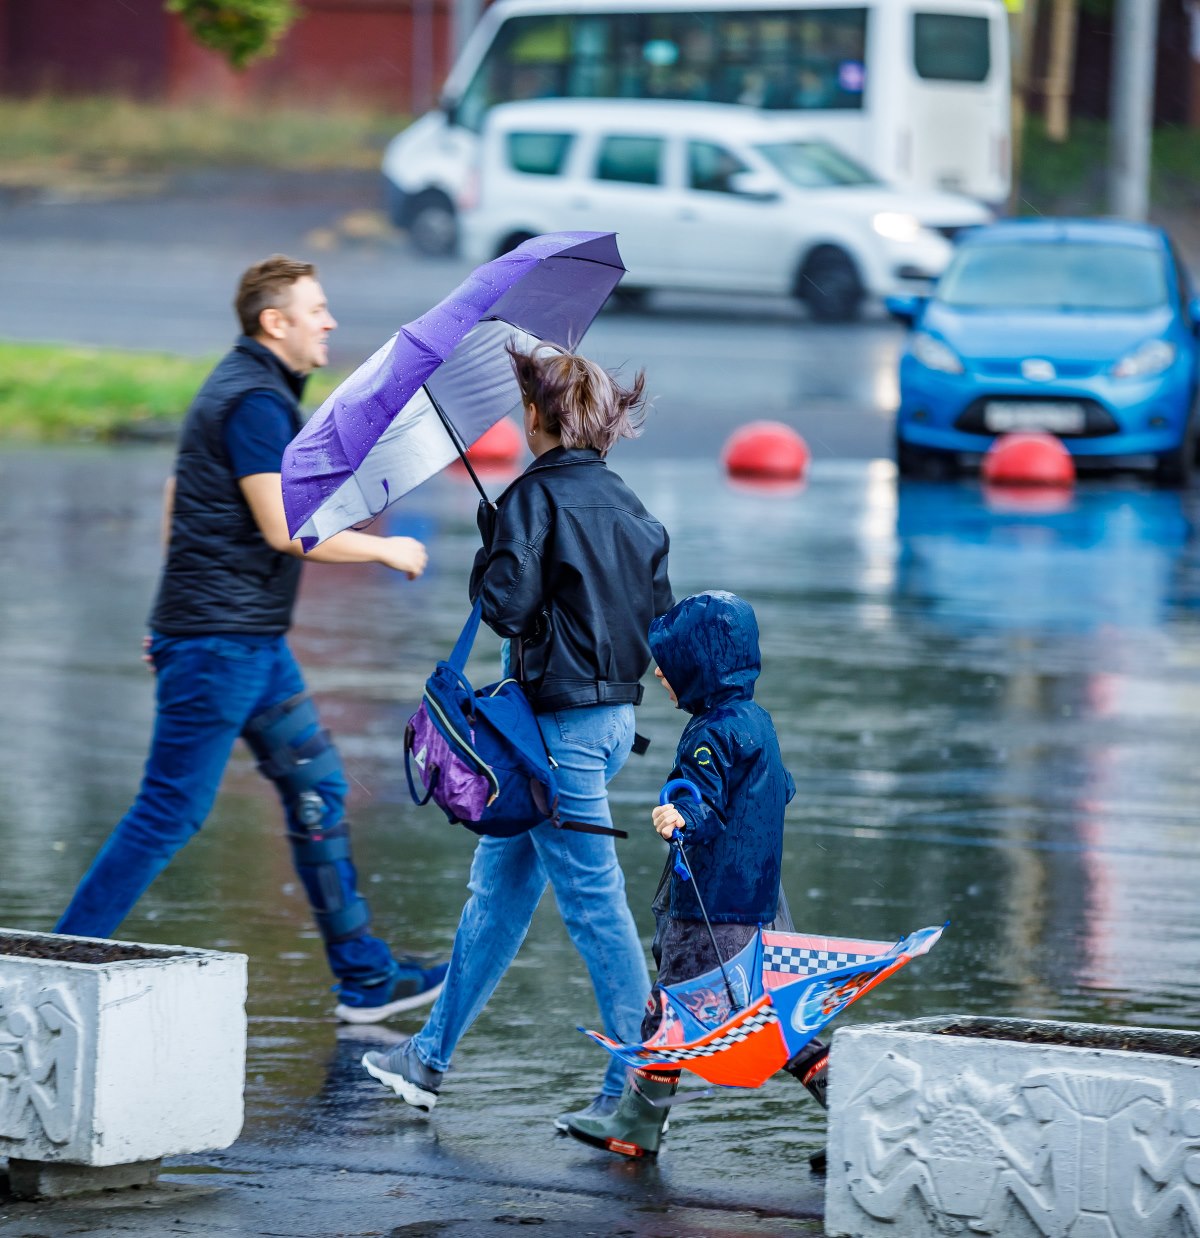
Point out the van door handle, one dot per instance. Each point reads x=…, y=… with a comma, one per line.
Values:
x=581, y=204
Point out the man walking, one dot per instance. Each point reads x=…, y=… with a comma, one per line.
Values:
x=220, y=653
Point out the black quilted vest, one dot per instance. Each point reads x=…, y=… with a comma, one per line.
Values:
x=221, y=576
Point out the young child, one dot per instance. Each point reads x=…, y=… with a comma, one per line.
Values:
x=706, y=650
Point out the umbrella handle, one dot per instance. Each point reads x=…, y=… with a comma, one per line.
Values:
x=664, y=797
x=679, y=784
x=683, y=870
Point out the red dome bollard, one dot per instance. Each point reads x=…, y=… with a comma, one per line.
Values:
x=766, y=451
x=495, y=449
x=1032, y=459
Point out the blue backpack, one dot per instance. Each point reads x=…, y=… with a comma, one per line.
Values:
x=480, y=754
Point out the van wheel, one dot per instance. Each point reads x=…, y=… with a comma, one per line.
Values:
x=829, y=285
x=511, y=241
x=432, y=224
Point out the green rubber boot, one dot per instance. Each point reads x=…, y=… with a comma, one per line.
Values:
x=636, y=1125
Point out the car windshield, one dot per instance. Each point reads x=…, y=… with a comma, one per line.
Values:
x=815, y=165
x=1055, y=276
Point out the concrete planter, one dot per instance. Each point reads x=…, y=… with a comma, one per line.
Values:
x=1014, y=1127
x=115, y=1054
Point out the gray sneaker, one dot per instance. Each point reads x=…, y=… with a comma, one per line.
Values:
x=599, y=1107
x=407, y=1076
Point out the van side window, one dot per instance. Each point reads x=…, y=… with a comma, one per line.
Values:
x=711, y=167
x=538, y=154
x=634, y=160
x=951, y=47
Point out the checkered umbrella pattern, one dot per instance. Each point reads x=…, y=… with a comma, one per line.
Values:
x=785, y=988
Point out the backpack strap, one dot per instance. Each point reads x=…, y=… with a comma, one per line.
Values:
x=584, y=827
x=466, y=638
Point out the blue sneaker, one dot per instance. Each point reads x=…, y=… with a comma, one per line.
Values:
x=408, y=987
x=407, y=1076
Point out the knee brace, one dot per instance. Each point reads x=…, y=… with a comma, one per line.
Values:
x=318, y=846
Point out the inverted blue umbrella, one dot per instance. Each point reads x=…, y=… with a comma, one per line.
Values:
x=441, y=381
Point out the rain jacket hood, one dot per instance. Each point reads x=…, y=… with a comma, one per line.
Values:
x=707, y=647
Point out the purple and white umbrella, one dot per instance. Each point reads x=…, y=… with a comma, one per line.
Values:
x=441, y=381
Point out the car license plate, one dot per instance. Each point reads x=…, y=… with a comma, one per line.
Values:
x=1057, y=417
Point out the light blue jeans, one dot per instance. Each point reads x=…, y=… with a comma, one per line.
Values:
x=508, y=876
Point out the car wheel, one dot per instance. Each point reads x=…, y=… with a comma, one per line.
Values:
x=829, y=285
x=1176, y=469
x=921, y=463
x=511, y=241
x=432, y=224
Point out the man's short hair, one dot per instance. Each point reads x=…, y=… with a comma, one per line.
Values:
x=267, y=285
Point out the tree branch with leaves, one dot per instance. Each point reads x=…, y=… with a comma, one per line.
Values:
x=241, y=30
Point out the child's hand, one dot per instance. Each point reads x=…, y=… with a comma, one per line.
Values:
x=667, y=819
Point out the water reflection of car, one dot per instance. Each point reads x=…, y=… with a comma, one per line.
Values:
x=978, y=560
x=708, y=197
x=1083, y=328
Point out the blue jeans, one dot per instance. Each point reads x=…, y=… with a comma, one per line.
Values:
x=508, y=876
x=207, y=688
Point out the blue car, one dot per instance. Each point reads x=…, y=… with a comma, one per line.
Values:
x=1086, y=329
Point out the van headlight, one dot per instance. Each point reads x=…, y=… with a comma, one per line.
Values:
x=894, y=226
x=935, y=355
x=1146, y=360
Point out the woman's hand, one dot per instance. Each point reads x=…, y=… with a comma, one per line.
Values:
x=667, y=819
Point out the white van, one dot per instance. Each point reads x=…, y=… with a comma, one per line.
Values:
x=708, y=197
x=918, y=90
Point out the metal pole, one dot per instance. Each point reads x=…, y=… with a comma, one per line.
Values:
x=466, y=18
x=1023, y=17
x=1131, y=109
x=1060, y=72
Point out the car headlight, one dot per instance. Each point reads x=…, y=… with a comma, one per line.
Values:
x=1147, y=359
x=894, y=226
x=935, y=355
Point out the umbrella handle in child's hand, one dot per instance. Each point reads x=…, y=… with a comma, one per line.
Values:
x=678, y=784
x=664, y=797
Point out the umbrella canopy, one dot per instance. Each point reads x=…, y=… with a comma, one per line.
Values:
x=787, y=987
x=441, y=381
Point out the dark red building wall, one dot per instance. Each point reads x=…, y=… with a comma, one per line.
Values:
x=390, y=52
x=394, y=53
x=83, y=46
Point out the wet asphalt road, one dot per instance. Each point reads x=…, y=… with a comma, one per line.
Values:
x=159, y=272
x=989, y=710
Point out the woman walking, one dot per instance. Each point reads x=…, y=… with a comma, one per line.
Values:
x=573, y=569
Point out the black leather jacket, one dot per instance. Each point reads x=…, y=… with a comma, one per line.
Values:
x=574, y=566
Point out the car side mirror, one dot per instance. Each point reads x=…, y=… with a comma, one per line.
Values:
x=754, y=185
x=448, y=106
x=906, y=309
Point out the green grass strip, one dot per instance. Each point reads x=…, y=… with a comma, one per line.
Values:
x=47, y=137
x=56, y=393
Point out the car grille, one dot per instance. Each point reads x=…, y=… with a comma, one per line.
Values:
x=1098, y=421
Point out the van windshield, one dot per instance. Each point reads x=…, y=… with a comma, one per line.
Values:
x=815, y=165
x=1055, y=276
x=794, y=59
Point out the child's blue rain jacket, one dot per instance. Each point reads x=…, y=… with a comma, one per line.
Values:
x=707, y=647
